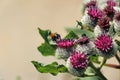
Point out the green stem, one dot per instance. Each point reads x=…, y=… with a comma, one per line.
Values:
x=118, y=58
x=98, y=72
x=102, y=63
x=110, y=65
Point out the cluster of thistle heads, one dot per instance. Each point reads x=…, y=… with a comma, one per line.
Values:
x=76, y=52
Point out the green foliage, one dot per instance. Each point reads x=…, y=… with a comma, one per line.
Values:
x=79, y=31
x=80, y=24
x=89, y=71
x=52, y=68
x=47, y=49
x=94, y=58
x=119, y=48
x=71, y=35
x=44, y=34
x=112, y=31
x=117, y=42
x=90, y=78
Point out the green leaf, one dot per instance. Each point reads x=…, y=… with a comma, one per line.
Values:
x=79, y=31
x=111, y=30
x=47, y=49
x=89, y=71
x=90, y=78
x=44, y=34
x=94, y=58
x=71, y=35
x=52, y=68
x=119, y=48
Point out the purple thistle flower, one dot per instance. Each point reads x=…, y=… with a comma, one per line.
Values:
x=104, y=43
x=83, y=40
x=117, y=16
x=92, y=3
x=104, y=23
x=111, y=3
x=78, y=60
x=109, y=11
x=116, y=22
x=66, y=43
x=94, y=12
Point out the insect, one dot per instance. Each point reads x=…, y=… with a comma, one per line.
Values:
x=54, y=36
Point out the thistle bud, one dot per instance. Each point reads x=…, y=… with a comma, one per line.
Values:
x=84, y=45
x=65, y=48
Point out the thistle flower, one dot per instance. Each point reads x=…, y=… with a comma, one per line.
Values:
x=94, y=12
x=65, y=47
x=66, y=43
x=103, y=23
x=105, y=46
x=77, y=63
x=111, y=3
x=103, y=26
x=116, y=22
x=93, y=15
x=83, y=40
x=92, y=3
x=84, y=45
x=109, y=11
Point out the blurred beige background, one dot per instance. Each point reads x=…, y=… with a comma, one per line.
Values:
x=19, y=36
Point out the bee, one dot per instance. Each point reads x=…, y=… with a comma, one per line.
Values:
x=54, y=36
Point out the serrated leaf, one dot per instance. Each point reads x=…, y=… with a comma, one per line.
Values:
x=44, y=34
x=90, y=78
x=52, y=68
x=71, y=35
x=79, y=31
x=47, y=49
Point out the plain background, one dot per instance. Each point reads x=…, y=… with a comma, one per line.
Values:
x=19, y=37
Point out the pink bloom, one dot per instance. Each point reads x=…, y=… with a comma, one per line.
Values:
x=92, y=3
x=117, y=16
x=109, y=11
x=104, y=43
x=66, y=43
x=104, y=22
x=94, y=12
x=83, y=40
x=111, y=3
x=79, y=60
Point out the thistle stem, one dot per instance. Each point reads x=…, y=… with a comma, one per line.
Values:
x=118, y=58
x=109, y=65
x=102, y=63
x=98, y=72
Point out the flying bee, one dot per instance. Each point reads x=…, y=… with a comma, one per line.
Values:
x=54, y=36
